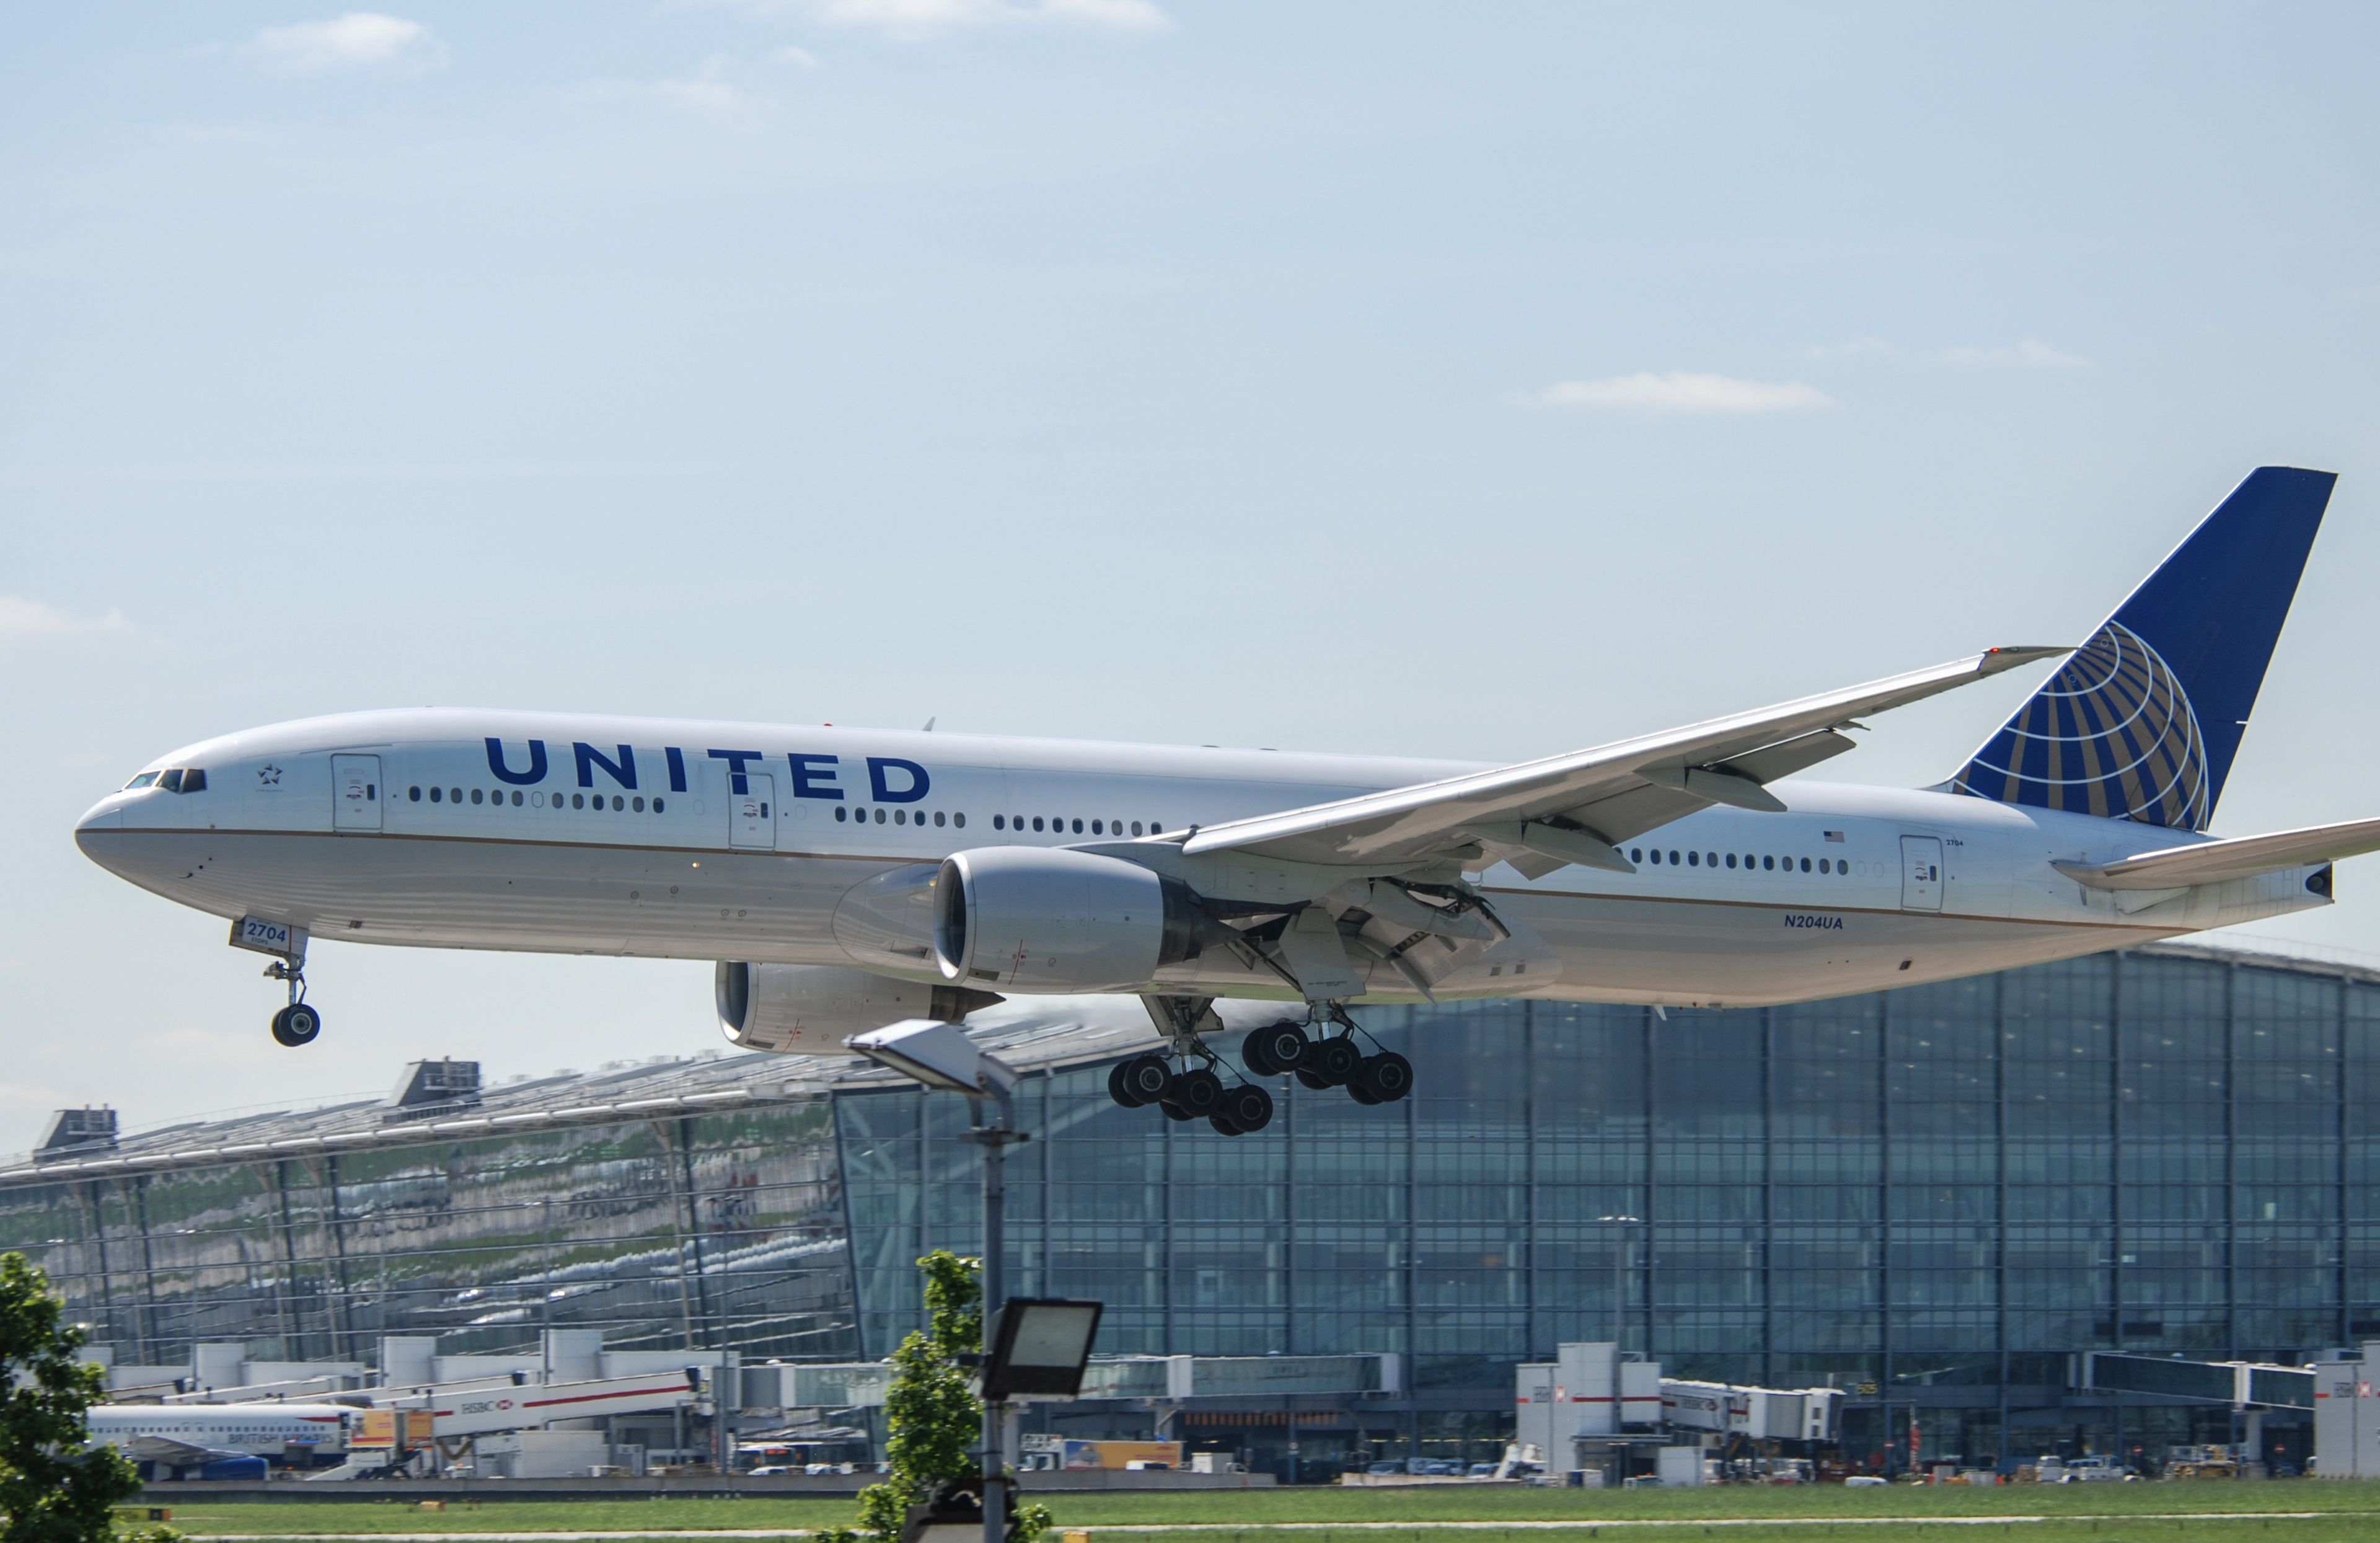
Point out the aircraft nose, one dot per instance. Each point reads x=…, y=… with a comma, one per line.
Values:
x=92, y=831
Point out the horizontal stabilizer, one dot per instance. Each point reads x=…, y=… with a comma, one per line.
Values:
x=2210, y=862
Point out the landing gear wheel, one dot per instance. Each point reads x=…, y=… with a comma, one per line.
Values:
x=295, y=1025
x=1333, y=1060
x=1141, y=1080
x=1197, y=1093
x=1174, y=1113
x=1381, y=1079
x=1274, y=1048
x=1225, y=1125
x=1247, y=1107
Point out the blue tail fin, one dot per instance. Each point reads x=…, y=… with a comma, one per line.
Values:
x=2143, y=722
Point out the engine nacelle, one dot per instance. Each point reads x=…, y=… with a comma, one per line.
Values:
x=1033, y=918
x=812, y=1009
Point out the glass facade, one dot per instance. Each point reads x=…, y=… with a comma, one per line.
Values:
x=1931, y=1196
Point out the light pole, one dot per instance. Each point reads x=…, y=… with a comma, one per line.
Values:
x=938, y=1055
x=1620, y=1283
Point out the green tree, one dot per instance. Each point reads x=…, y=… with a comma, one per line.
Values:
x=51, y=1490
x=932, y=1422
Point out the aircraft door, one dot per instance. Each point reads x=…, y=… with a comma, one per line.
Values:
x=1921, y=873
x=752, y=814
x=354, y=793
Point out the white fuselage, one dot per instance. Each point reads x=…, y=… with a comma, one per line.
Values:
x=254, y=1429
x=629, y=836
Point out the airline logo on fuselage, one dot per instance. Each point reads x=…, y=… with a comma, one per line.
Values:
x=890, y=780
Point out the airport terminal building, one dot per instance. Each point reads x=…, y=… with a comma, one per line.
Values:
x=1933, y=1197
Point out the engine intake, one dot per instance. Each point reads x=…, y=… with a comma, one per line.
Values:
x=1044, y=919
x=812, y=1009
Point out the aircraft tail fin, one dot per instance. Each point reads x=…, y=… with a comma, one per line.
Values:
x=2144, y=720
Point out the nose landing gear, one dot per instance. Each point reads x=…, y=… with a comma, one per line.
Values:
x=298, y=1023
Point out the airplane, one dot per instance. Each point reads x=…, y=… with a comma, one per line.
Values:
x=845, y=879
x=179, y=1436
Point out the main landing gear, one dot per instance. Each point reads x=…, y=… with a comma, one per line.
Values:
x=1284, y=1048
x=1191, y=1093
x=1332, y=1060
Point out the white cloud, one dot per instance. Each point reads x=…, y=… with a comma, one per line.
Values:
x=23, y=620
x=910, y=19
x=799, y=57
x=707, y=92
x=1682, y=391
x=356, y=39
x=2031, y=353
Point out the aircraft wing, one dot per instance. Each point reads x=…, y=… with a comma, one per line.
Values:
x=1578, y=808
x=2210, y=862
x=168, y=1450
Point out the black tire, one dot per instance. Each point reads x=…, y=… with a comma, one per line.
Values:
x=1274, y=1048
x=1387, y=1077
x=1173, y=1111
x=1356, y=1091
x=1334, y=1060
x=1198, y=1091
x=1312, y=1079
x=1142, y=1080
x=1248, y=1107
x=295, y=1025
x=1225, y=1125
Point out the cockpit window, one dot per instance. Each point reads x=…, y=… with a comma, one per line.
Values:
x=141, y=780
x=194, y=779
x=171, y=781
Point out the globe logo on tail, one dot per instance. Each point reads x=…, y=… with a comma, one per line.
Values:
x=2112, y=734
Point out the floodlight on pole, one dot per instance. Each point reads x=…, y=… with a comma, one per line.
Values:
x=1620, y=1278
x=940, y=1055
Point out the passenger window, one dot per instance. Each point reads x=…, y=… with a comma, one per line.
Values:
x=1673, y=857
x=840, y=814
x=414, y=794
x=477, y=797
x=1037, y=821
x=579, y=800
x=1768, y=862
x=516, y=799
x=1154, y=829
x=880, y=817
x=1730, y=859
x=938, y=817
x=1078, y=827
x=1711, y=858
x=1805, y=865
x=437, y=795
x=454, y=795
x=900, y=817
x=638, y=803
x=1635, y=854
x=998, y=821
x=657, y=803
x=1822, y=865
x=1135, y=827
x=1693, y=859
x=1095, y=828
x=960, y=821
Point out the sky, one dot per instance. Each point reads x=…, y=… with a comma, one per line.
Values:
x=1468, y=380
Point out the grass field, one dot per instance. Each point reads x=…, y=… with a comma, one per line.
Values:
x=2099, y=1514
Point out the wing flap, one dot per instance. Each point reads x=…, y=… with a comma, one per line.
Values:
x=1411, y=824
x=2210, y=862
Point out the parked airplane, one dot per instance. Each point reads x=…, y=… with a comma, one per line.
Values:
x=855, y=878
x=178, y=1436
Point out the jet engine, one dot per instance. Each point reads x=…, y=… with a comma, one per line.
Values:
x=812, y=1009
x=1047, y=919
